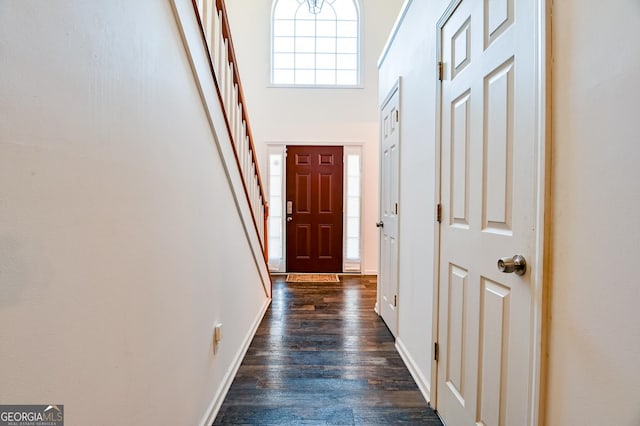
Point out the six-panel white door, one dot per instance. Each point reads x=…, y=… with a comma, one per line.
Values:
x=389, y=179
x=488, y=197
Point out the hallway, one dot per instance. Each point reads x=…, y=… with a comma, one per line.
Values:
x=322, y=356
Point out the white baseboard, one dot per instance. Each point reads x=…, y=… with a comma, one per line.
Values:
x=218, y=399
x=421, y=381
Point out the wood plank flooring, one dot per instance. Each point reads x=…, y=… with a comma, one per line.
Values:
x=323, y=357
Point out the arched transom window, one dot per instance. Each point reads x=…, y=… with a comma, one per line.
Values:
x=315, y=49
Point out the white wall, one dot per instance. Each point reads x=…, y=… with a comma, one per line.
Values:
x=594, y=375
x=594, y=338
x=318, y=116
x=119, y=236
x=412, y=56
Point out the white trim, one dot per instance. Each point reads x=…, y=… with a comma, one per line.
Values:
x=314, y=142
x=543, y=176
x=198, y=56
x=412, y=366
x=394, y=31
x=211, y=413
x=314, y=86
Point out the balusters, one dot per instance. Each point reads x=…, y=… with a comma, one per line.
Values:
x=220, y=47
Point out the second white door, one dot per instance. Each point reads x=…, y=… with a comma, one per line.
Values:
x=390, y=186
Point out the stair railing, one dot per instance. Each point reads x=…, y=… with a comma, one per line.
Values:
x=214, y=23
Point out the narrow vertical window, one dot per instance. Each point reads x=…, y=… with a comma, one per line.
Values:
x=353, y=203
x=315, y=49
x=276, y=168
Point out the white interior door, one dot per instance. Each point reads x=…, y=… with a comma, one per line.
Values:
x=389, y=178
x=488, y=197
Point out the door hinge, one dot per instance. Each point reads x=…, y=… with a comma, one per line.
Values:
x=395, y=301
x=396, y=208
x=397, y=116
x=440, y=71
x=439, y=213
x=436, y=351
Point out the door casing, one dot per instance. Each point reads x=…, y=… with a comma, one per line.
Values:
x=350, y=147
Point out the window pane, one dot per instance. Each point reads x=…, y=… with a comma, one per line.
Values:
x=275, y=207
x=275, y=248
x=275, y=186
x=283, y=60
x=326, y=45
x=353, y=165
x=305, y=44
x=275, y=227
x=275, y=165
x=347, y=77
x=305, y=77
x=346, y=62
x=283, y=76
x=347, y=45
x=326, y=62
x=353, y=248
x=353, y=227
x=283, y=44
x=305, y=61
x=326, y=13
x=353, y=207
x=283, y=27
x=347, y=29
x=326, y=29
x=326, y=77
x=353, y=186
x=305, y=28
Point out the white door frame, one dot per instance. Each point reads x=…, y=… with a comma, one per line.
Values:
x=539, y=271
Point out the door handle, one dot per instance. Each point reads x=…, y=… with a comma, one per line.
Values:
x=516, y=264
x=289, y=219
x=380, y=224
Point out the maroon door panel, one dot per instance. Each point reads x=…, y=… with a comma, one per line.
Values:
x=314, y=208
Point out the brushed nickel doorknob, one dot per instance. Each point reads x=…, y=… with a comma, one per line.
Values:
x=289, y=219
x=516, y=264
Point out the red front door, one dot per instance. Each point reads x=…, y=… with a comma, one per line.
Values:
x=314, y=208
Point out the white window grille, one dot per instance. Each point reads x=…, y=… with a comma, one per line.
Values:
x=320, y=49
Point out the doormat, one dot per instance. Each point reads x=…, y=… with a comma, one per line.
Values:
x=313, y=278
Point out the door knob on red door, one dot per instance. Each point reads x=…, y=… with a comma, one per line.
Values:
x=289, y=219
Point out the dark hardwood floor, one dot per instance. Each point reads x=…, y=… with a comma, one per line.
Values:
x=322, y=356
